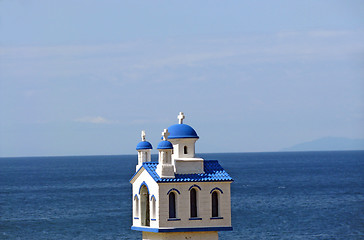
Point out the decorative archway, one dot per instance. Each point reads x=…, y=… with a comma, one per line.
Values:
x=144, y=206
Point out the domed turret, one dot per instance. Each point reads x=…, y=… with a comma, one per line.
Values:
x=183, y=138
x=165, y=145
x=165, y=169
x=144, y=151
x=181, y=131
x=144, y=145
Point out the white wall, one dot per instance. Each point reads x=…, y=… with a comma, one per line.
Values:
x=188, y=165
x=204, y=205
x=153, y=190
x=178, y=147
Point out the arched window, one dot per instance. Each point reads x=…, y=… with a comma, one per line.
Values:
x=185, y=150
x=153, y=208
x=193, y=203
x=136, y=206
x=215, y=204
x=172, y=205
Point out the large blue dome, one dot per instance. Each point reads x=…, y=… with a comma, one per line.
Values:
x=165, y=145
x=181, y=131
x=144, y=145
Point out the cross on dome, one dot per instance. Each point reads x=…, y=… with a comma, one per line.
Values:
x=143, y=135
x=165, y=134
x=180, y=117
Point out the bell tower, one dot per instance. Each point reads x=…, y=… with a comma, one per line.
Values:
x=144, y=151
x=165, y=168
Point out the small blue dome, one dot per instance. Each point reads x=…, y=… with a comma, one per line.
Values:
x=144, y=145
x=181, y=131
x=165, y=145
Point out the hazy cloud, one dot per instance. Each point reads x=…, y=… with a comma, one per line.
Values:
x=96, y=120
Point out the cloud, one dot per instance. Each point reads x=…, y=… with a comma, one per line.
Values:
x=96, y=120
x=65, y=51
x=130, y=62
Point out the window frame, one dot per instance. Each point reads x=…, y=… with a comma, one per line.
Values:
x=215, y=208
x=172, y=215
x=193, y=203
x=185, y=150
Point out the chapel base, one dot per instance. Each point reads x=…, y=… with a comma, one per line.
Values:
x=181, y=236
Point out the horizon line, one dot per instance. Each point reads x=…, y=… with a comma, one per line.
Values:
x=155, y=154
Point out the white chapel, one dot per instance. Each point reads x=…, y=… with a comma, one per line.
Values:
x=181, y=196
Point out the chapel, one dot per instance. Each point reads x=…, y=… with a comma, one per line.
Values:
x=181, y=196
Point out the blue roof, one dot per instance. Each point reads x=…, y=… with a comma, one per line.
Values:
x=165, y=145
x=181, y=131
x=144, y=145
x=213, y=173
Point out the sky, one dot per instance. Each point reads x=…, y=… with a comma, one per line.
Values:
x=85, y=77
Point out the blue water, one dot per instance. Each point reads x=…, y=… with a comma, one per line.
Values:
x=298, y=195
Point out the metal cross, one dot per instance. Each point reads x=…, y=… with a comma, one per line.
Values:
x=165, y=134
x=180, y=117
x=143, y=135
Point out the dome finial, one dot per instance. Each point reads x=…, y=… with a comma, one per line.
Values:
x=143, y=135
x=180, y=117
x=165, y=134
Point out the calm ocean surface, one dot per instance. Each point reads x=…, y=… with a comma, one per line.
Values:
x=298, y=195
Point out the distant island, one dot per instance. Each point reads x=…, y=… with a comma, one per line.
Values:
x=328, y=144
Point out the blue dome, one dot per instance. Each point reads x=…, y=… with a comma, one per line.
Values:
x=144, y=145
x=181, y=131
x=165, y=145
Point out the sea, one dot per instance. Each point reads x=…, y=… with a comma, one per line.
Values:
x=278, y=195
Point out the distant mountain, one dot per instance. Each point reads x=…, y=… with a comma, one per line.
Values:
x=328, y=143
